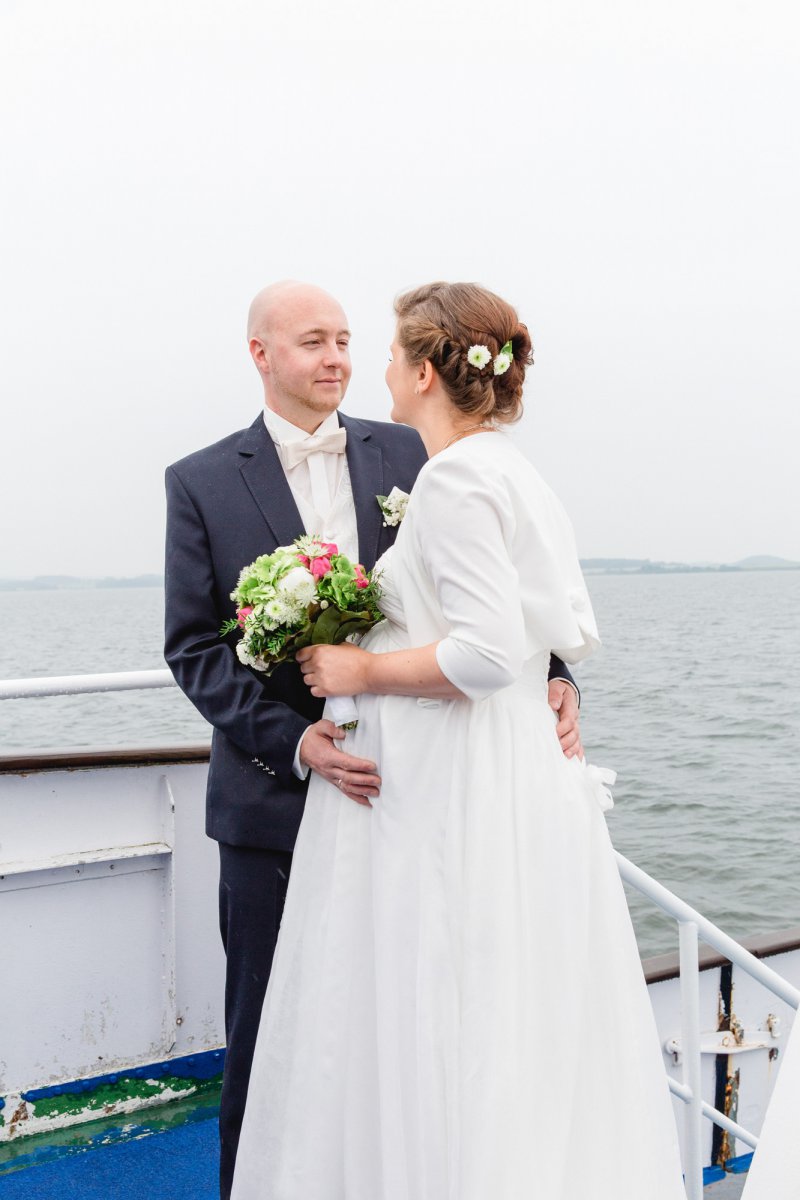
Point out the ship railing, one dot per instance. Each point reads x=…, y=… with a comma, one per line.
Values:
x=692, y=927
x=77, y=685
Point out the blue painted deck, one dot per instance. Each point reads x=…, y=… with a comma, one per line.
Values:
x=179, y=1163
x=176, y=1164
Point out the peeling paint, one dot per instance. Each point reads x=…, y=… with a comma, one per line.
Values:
x=75, y=1102
x=20, y=1114
x=111, y=1097
x=62, y=1142
x=54, y=1120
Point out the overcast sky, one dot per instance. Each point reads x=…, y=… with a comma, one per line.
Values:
x=626, y=173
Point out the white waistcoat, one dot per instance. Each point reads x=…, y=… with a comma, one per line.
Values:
x=339, y=525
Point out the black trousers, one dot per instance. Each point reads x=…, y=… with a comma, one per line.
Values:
x=252, y=891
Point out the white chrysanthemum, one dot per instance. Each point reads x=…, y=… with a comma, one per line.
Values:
x=244, y=656
x=501, y=363
x=298, y=587
x=311, y=545
x=479, y=356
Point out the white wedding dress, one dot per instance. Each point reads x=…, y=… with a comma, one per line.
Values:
x=457, y=1009
x=773, y=1174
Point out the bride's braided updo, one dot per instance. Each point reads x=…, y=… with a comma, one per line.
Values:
x=441, y=321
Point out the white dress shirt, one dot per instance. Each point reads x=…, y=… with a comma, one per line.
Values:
x=314, y=484
x=316, y=479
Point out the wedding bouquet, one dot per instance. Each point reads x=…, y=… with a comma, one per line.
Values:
x=302, y=595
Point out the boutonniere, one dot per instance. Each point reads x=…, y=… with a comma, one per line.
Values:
x=393, y=506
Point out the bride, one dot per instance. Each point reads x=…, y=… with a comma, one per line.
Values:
x=457, y=1009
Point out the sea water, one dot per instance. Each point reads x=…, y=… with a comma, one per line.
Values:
x=694, y=699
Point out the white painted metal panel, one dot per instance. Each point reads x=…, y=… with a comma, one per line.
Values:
x=52, y=813
x=108, y=919
x=86, y=982
x=199, y=957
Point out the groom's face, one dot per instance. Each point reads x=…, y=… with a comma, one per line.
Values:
x=307, y=356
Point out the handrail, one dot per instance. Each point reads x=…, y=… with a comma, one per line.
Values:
x=74, y=685
x=79, y=758
x=707, y=930
x=691, y=927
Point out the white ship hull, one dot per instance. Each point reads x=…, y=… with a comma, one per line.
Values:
x=113, y=966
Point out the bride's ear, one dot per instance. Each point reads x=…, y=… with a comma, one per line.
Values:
x=425, y=374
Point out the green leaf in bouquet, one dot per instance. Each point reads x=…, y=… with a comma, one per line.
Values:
x=358, y=625
x=303, y=638
x=331, y=588
x=325, y=627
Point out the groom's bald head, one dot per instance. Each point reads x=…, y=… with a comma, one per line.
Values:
x=299, y=342
x=281, y=302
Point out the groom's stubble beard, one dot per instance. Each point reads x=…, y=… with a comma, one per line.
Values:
x=294, y=404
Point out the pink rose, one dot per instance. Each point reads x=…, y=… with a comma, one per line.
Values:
x=361, y=577
x=319, y=567
x=321, y=553
x=241, y=614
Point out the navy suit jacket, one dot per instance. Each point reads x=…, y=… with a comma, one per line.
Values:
x=227, y=504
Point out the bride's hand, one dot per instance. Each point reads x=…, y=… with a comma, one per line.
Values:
x=334, y=670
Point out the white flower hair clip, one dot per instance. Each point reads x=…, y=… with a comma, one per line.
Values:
x=480, y=357
x=393, y=506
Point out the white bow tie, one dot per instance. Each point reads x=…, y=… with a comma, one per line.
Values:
x=326, y=443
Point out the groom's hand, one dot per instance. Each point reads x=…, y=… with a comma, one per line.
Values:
x=355, y=777
x=563, y=700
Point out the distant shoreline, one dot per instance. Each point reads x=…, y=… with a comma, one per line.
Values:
x=591, y=566
x=647, y=566
x=63, y=583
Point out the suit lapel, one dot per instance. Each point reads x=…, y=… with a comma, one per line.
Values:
x=263, y=474
x=365, y=461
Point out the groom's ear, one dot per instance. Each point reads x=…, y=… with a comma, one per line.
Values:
x=259, y=355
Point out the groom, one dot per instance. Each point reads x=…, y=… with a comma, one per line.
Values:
x=300, y=467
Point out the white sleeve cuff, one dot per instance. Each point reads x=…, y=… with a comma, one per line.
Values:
x=472, y=670
x=298, y=768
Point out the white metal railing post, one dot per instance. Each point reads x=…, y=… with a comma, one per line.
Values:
x=690, y=1036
